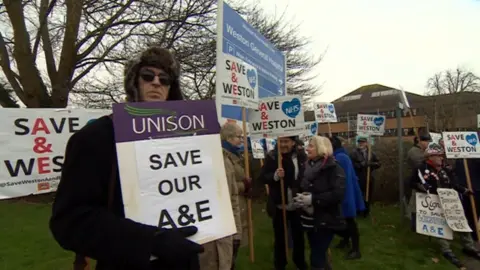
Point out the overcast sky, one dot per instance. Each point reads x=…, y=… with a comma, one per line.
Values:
x=394, y=43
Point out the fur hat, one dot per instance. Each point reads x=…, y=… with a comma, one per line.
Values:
x=434, y=149
x=153, y=57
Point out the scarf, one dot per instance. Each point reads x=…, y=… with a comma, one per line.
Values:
x=231, y=148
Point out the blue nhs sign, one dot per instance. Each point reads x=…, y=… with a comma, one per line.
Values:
x=237, y=38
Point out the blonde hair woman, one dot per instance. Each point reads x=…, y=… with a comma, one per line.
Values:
x=323, y=188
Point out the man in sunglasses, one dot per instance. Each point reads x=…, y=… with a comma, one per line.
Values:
x=88, y=216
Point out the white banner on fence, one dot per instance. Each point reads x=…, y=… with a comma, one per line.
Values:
x=32, y=146
x=452, y=206
x=430, y=217
x=461, y=144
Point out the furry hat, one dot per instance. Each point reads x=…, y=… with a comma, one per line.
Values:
x=153, y=57
x=434, y=149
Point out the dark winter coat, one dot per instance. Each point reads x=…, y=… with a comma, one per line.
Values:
x=268, y=172
x=325, y=179
x=81, y=221
x=360, y=163
x=428, y=178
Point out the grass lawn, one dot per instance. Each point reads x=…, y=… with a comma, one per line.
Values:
x=26, y=242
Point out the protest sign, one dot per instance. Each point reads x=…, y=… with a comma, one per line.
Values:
x=257, y=150
x=270, y=144
x=453, y=209
x=430, y=217
x=325, y=112
x=277, y=117
x=370, y=124
x=461, y=144
x=237, y=38
x=311, y=129
x=171, y=166
x=32, y=143
x=436, y=137
x=236, y=82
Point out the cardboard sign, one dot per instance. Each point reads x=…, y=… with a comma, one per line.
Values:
x=430, y=217
x=257, y=150
x=237, y=82
x=277, y=117
x=171, y=166
x=461, y=144
x=453, y=209
x=325, y=112
x=370, y=125
x=436, y=137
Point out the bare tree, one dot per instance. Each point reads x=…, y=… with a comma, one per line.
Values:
x=196, y=50
x=72, y=39
x=453, y=81
x=450, y=82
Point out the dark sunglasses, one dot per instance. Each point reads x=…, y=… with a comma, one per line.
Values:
x=149, y=76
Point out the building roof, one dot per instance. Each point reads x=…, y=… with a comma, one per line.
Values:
x=370, y=98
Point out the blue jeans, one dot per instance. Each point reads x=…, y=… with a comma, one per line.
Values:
x=319, y=240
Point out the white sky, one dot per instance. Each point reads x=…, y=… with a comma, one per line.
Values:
x=394, y=43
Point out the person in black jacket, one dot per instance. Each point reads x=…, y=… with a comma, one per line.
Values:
x=88, y=215
x=320, y=200
x=293, y=164
x=361, y=163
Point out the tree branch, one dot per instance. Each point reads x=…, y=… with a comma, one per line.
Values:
x=9, y=74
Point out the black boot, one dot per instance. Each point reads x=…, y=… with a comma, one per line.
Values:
x=471, y=253
x=353, y=255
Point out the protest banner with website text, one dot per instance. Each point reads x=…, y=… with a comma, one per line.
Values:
x=277, y=117
x=461, y=144
x=171, y=166
x=32, y=143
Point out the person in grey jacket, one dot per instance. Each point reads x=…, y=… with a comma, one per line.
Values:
x=415, y=158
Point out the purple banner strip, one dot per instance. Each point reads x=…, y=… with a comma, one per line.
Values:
x=155, y=120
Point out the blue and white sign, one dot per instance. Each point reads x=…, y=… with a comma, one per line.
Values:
x=370, y=125
x=237, y=38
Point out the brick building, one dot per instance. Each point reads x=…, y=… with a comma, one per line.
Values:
x=435, y=113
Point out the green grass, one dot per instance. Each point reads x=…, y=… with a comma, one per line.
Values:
x=26, y=242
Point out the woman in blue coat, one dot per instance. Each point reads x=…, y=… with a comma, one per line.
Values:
x=352, y=202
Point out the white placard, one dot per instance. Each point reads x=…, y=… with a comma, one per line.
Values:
x=176, y=173
x=237, y=82
x=311, y=129
x=32, y=147
x=430, y=217
x=453, y=209
x=461, y=144
x=270, y=144
x=436, y=137
x=257, y=150
x=370, y=124
x=277, y=117
x=478, y=120
x=171, y=166
x=325, y=112
x=403, y=97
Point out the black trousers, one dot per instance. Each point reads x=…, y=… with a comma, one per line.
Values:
x=280, y=258
x=351, y=232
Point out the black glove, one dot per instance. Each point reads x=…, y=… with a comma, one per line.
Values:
x=468, y=192
x=174, y=250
